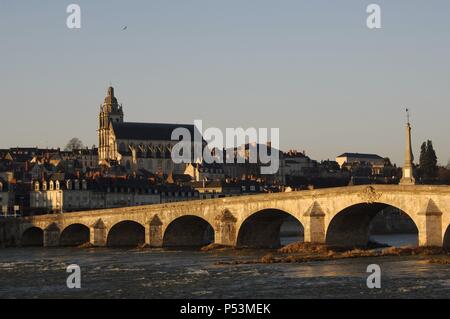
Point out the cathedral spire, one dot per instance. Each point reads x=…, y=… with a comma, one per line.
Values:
x=111, y=91
x=110, y=99
x=408, y=167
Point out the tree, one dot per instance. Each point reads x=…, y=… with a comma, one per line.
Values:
x=387, y=161
x=330, y=165
x=428, y=160
x=74, y=144
x=432, y=158
x=444, y=175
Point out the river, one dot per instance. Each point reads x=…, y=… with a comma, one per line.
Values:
x=158, y=273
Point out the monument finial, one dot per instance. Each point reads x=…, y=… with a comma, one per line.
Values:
x=408, y=167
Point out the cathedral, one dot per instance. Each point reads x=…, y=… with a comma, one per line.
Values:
x=135, y=145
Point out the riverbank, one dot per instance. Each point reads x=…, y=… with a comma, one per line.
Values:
x=307, y=252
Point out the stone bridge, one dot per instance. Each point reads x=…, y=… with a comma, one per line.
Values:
x=336, y=216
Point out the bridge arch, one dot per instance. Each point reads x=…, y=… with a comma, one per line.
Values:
x=74, y=235
x=126, y=233
x=446, y=242
x=32, y=237
x=188, y=231
x=261, y=229
x=350, y=226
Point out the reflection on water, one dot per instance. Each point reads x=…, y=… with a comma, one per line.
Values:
x=399, y=240
x=396, y=240
x=120, y=273
x=290, y=239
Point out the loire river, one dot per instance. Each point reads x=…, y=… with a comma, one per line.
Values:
x=154, y=273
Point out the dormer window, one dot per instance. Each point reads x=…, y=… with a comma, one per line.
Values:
x=36, y=186
x=57, y=185
x=44, y=185
x=52, y=186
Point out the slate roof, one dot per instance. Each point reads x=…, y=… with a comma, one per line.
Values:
x=361, y=155
x=148, y=131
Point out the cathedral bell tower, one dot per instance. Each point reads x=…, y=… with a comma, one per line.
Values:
x=110, y=112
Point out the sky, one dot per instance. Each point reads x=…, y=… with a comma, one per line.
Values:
x=311, y=68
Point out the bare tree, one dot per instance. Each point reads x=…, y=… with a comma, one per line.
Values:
x=74, y=144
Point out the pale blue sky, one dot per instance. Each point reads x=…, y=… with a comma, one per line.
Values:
x=311, y=68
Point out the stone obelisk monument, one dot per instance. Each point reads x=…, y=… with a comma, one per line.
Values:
x=408, y=167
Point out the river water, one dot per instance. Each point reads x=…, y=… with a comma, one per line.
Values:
x=157, y=273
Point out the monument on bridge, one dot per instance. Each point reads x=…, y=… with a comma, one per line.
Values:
x=408, y=167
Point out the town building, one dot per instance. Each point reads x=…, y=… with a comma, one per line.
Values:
x=221, y=189
x=57, y=196
x=76, y=195
x=350, y=158
x=171, y=193
x=205, y=172
x=87, y=158
x=6, y=198
x=297, y=163
x=247, y=169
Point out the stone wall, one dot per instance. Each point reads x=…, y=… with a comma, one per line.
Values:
x=9, y=232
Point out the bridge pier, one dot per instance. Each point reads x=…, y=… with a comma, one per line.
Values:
x=225, y=230
x=98, y=234
x=314, y=228
x=153, y=232
x=51, y=235
x=2, y=234
x=430, y=225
